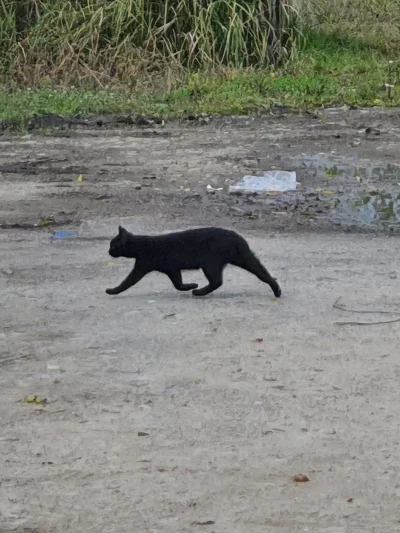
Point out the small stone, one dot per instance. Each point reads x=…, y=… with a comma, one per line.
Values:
x=355, y=142
x=372, y=131
x=143, y=434
x=300, y=478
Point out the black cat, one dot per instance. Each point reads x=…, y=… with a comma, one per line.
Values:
x=210, y=249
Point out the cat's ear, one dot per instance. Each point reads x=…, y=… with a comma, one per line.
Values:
x=121, y=231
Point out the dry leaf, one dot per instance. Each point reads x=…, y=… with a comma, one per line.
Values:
x=32, y=398
x=300, y=478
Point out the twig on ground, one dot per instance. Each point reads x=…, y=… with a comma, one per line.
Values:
x=366, y=323
x=365, y=311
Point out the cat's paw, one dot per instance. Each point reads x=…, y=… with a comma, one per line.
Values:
x=278, y=292
x=110, y=291
x=189, y=286
x=198, y=292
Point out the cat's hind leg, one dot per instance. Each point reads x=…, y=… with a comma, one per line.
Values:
x=176, y=278
x=248, y=261
x=214, y=275
x=131, y=279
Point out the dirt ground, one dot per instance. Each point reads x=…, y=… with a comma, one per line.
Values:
x=138, y=170
x=167, y=413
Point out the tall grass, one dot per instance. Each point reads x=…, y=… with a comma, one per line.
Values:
x=98, y=41
x=372, y=22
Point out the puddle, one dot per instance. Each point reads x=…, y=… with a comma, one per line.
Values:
x=364, y=193
x=380, y=206
x=372, y=209
x=334, y=165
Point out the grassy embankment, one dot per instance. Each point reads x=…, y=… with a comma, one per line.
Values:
x=97, y=56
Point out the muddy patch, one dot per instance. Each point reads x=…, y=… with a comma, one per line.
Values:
x=346, y=163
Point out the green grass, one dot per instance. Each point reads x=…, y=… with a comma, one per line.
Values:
x=329, y=71
x=83, y=42
x=348, y=52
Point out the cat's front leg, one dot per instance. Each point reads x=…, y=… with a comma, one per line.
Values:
x=131, y=279
x=176, y=277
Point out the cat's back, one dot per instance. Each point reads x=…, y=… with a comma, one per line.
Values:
x=200, y=236
x=191, y=249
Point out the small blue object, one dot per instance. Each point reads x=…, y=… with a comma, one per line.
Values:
x=65, y=234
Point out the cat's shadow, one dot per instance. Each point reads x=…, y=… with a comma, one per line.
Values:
x=176, y=296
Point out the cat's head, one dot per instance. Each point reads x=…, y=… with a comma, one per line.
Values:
x=117, y=244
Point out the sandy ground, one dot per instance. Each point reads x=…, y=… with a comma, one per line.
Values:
x=163, y=414
x=227, y=420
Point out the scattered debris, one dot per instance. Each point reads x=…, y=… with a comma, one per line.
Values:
x=32, y=398
x=367, y=323
x=389, y=87
x=211, y=189
x=169, y=315
x=350, y=500
x=46, y=222
x=257, y=341
x=143, y=434
x=300, y=478
x=336, y=305
x=206, y=523
x=65, y=234
x=7, y=272
x=372, y=131
x=365, y=311
x=271, y=182
x=80, y=178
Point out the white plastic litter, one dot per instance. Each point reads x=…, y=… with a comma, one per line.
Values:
x=210, y=188
x=272, y=181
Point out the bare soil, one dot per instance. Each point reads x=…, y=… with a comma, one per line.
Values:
x=165, y=170
x=167, y=413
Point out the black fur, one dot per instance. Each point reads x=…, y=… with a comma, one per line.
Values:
x=210, y=249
